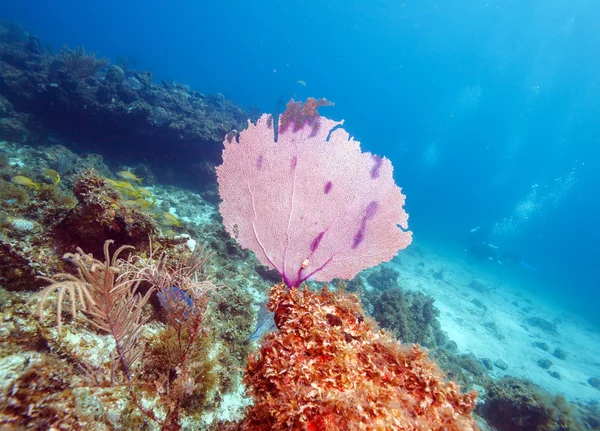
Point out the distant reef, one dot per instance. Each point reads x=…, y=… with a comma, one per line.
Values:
x=77, y=97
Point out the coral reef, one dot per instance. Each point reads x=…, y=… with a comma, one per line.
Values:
x=62, y=89
x=411, y=315
x=27, y=216
x=330, y=368
x=123, y=113
x=144, y=340
x=463, y=368
x=168, y=365
x=589, y=415
x=80, y=64
x=513, y=404
x=383, y=278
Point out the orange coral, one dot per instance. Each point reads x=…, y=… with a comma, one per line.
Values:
x=300, y=114
x=330, y=368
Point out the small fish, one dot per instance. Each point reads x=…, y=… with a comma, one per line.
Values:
x=301, y=82
x=124, y=187
x=25, y=181
x=145, y=193
x=129, y=176
x=142, y=202
x=170, y=220
x=53, y=175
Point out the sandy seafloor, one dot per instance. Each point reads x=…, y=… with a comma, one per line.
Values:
x=502, y=332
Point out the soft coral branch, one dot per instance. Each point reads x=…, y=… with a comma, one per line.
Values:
x=109, y=298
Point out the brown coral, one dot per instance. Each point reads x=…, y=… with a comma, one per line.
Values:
x=330, y=368
x=100, y=215
x=298, y=114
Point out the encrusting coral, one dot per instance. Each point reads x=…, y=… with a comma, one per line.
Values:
x=330, y=368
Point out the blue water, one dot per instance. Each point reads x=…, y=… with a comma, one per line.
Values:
x=489, y=110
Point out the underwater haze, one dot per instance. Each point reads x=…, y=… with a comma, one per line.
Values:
x=487, y=109
x=489, y=112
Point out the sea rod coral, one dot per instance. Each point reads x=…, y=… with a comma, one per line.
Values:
x=310, y=204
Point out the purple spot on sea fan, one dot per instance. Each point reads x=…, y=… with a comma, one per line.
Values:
x=370, y=211
x=315, y=244
x=294, y=163
x=316, y=125
x=328, y=187
x=358, y=238
x=259, y=162
x=376, y=167
x=360, y=234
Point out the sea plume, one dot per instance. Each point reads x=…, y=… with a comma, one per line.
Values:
x=108, y=296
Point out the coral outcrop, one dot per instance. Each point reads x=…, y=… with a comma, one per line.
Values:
x=411, y=315
x=43, y=92
x=518, y=405
x=330, y=368
x=102, y=214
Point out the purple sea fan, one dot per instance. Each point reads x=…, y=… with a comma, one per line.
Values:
x=309, y=206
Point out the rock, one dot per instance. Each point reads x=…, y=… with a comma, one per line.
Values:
x=191, y=244
x=479, y=304
x=554, y=374
x=501, y=364
x=491, y=325
x=541, y=345
x=487, y=363
x=543, y=324
x=544, y=363
x=132, y=83
x=22, y=225
x=114, y=76
x=559, y=353
x=34, y=45
x=594, y=382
